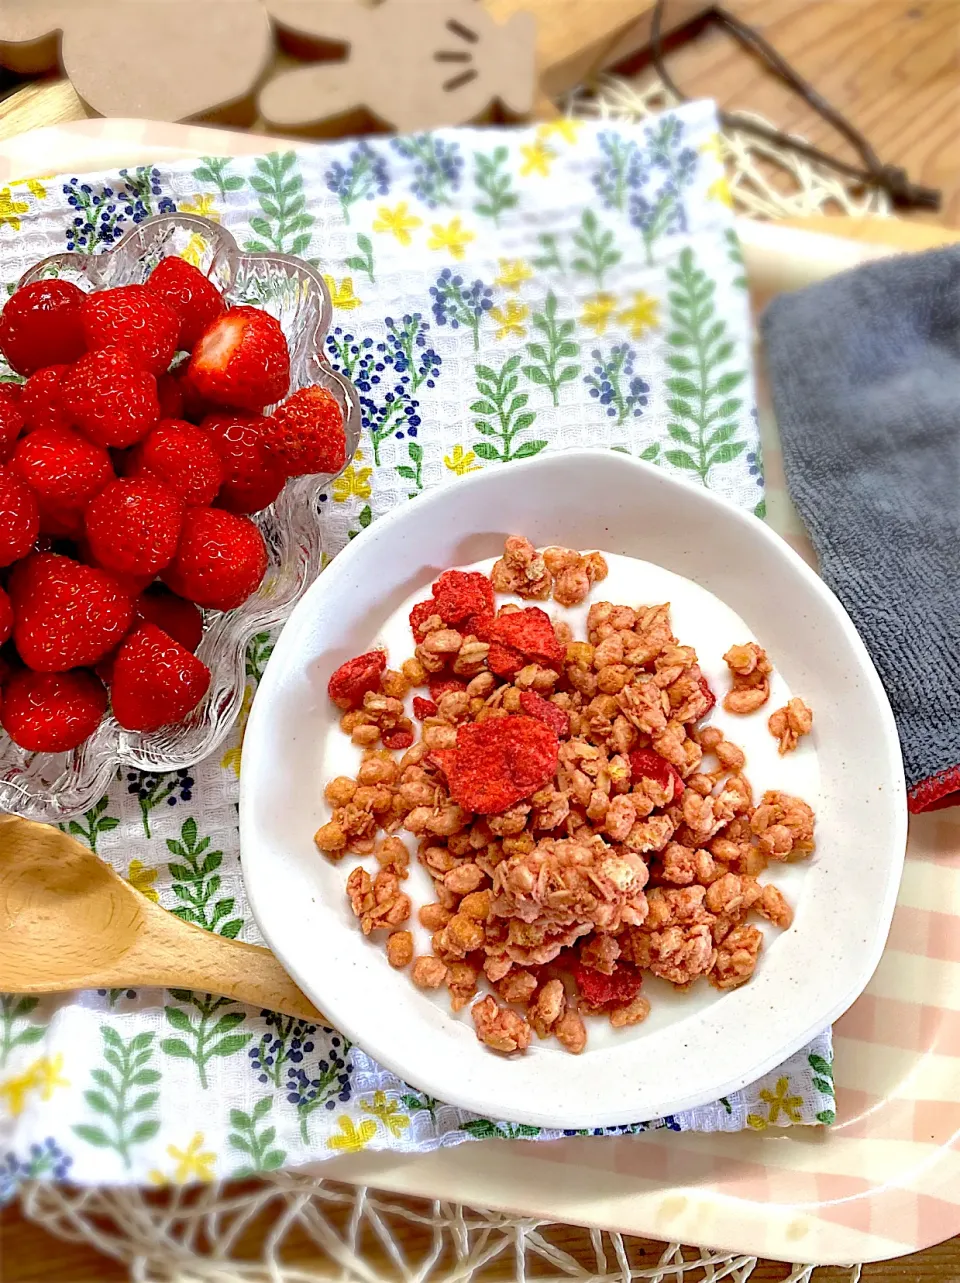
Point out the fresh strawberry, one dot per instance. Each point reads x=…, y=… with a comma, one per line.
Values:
x=194, y=298
x=241, y=360
x=179, y=619
x=306, y=433
x=10, y=391
x=67, y=615
x=170, y=397
x=251, y=478
x=19, y=518
x=64, y=470
x=134, y=318
x=155, y=680
x=41, y=402
x=12, y=423
x=221, y=559
x=184, y=458
x=41, y=324
x=6, y=616
x=194, y=408
x=112, y=401
x=133, y=525
x=51, y=712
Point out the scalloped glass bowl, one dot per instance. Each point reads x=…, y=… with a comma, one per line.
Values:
x=55, y=786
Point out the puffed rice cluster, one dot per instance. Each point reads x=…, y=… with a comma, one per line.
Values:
x=564, y=900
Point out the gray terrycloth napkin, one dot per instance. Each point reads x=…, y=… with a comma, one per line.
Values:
x=865, y=372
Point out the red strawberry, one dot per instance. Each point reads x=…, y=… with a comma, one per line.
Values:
x=41, y=325
x=194, y=298
x=112, y=401
x=133, y=525
x=65, y=471
x=179, y=619
x=67, y=615
x=307, y=433
x=52, y=712
x=10, y=391
x=241, y=360
x=155, y=680
x=194, y=407
x=183, y=457
x=12, y=423
x=251, y=478
x=19, y=518
x=41, y=403
x=6, y=616
x=134, y=318
x=170, y=397
x=221, y=559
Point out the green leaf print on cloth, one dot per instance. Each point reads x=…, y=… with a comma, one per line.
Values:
x=705, y=416
x=213, y=170
x=249, y=1138
x=546, y=368
x=96, y=823
x=196, y=882
x=117, y=1098
x=362, y=261
x=495, y=183
x=596, y=254
x=205, y=1036
x=14, y=1009
x=285, y=223
x=503, y=414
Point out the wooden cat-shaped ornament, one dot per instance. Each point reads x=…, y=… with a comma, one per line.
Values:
x=411, y=64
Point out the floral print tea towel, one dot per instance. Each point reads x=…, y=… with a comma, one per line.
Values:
x=497, y=293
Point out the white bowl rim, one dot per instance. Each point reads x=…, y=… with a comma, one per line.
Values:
x=437, y=1084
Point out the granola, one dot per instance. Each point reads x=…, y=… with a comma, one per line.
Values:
x=581, y=825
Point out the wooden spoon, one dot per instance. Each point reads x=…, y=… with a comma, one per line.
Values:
x=67, y=921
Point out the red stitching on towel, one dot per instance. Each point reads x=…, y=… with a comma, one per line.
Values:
x=935, y=792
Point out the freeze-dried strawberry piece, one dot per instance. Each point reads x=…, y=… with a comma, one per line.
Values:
x=648, y=765
x=707, y=692
x=398, y=738
x=503, y=660
x=500, y=761
x=352, y=680
x=535, y=705
x=419, y=616
x=599, y=990
x=530, y=632
x=423, y=708
x=440, y=685
x=459, y=594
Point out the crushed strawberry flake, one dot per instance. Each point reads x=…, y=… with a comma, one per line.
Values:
x=581, y=824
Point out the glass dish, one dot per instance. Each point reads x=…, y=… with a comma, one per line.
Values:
x=55, y=786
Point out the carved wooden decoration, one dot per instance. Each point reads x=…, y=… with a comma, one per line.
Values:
x=410, y=64
x=345, y=64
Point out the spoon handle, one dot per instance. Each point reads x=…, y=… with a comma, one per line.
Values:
x=210, y=963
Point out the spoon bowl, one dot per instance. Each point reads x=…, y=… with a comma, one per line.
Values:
x=70, y=922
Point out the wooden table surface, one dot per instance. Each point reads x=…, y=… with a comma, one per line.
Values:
x=893, y=67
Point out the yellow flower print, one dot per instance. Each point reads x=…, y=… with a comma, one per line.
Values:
x=642, y=315
x=454, y=237
x=192, y=1164
x=48, y=1075
x=11, y=209
x=598, y=312
x=352, y=1139
x=194, y=249
x=202, y=204
x=720, y=190
x=33, y=185
x=513, y=272
x=537, y=159
x=388, y=1111
x=342, y=295
x=142, y=879
x=44, y=1075
x=398, y=220
x=353, y=481
x=565, y=128
x=712, y=147
x=779, y=1102
x=510, y=318
x=231, y=758
x=461, y=462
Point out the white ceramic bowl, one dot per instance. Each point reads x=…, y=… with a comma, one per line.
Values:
x=807, y=977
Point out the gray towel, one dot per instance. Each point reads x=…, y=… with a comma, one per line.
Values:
x=865, y=371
